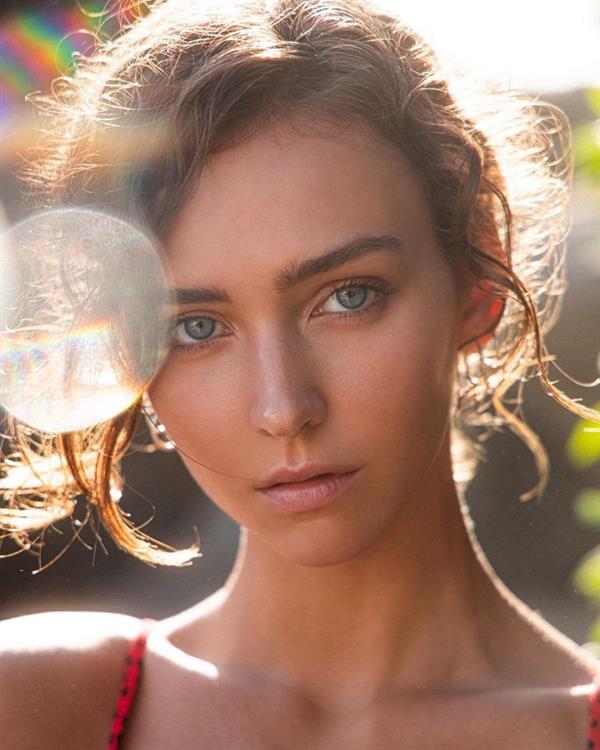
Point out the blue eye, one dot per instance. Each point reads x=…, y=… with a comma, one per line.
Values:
x=356, y=297
x=193, y=329
x=353, y=296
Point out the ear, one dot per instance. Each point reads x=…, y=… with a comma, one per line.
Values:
x=481, y=312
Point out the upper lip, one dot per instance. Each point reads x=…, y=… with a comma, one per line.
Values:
x=300, y=473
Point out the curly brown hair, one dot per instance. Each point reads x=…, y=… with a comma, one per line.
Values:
x=131, y=130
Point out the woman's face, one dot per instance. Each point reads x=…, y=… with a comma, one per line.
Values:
x=284, y=370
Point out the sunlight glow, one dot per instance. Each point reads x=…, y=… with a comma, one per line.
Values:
x=537, y=45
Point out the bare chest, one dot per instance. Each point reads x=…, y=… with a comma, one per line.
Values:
x=225, y=719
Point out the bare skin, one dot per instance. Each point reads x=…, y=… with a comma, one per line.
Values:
x=381, y=597
x=374, y=622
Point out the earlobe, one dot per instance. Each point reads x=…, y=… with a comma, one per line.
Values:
x=481, y=316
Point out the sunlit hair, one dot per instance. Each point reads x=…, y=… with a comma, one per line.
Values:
x=131, y=131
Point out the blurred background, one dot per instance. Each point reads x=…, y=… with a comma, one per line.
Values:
x=546, y=550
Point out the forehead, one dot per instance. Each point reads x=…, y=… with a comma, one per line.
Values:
x=281, y=195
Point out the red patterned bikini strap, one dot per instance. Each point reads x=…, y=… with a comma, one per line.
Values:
x=129, y=683
x=594, y=716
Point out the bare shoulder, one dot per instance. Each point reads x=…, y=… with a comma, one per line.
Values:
x=59, y=677
x=556, y=695
x=584, y=685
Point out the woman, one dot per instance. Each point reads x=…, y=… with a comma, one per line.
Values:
x=362, y=254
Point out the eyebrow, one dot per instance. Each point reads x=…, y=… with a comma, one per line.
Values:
x=297, y=272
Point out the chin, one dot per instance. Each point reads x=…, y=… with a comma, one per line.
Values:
x=322, y=547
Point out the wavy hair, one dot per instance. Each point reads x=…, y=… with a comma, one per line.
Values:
x=130, y=131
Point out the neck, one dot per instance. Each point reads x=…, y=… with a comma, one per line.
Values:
x=416, y=612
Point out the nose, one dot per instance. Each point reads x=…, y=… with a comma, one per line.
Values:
x=286, y=398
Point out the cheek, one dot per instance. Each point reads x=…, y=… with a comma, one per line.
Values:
x=396, y=380
x=203, y=410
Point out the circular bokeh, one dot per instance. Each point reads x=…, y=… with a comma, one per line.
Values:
x=84, y=318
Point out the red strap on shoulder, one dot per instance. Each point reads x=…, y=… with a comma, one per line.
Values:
x=594, y=714
x=129, y=683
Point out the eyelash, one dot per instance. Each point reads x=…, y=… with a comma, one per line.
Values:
x=376, y=285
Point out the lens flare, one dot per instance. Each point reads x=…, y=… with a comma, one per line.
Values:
x=84, y=318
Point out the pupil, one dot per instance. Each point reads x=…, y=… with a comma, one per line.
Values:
x=199, y=328
x=354, y=295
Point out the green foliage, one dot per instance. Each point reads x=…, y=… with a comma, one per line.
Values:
x=583, y=452
x=587, y=141
x=593, y=633
x=587, y=507
x=592, y=97
x=583, y=444
x=586, y=578
x=587, y=150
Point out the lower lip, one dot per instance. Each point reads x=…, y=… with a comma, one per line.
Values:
x=308, y=495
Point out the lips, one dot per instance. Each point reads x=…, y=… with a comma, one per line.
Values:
x=297, y=474
x=312, y=493
x=305, y=482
